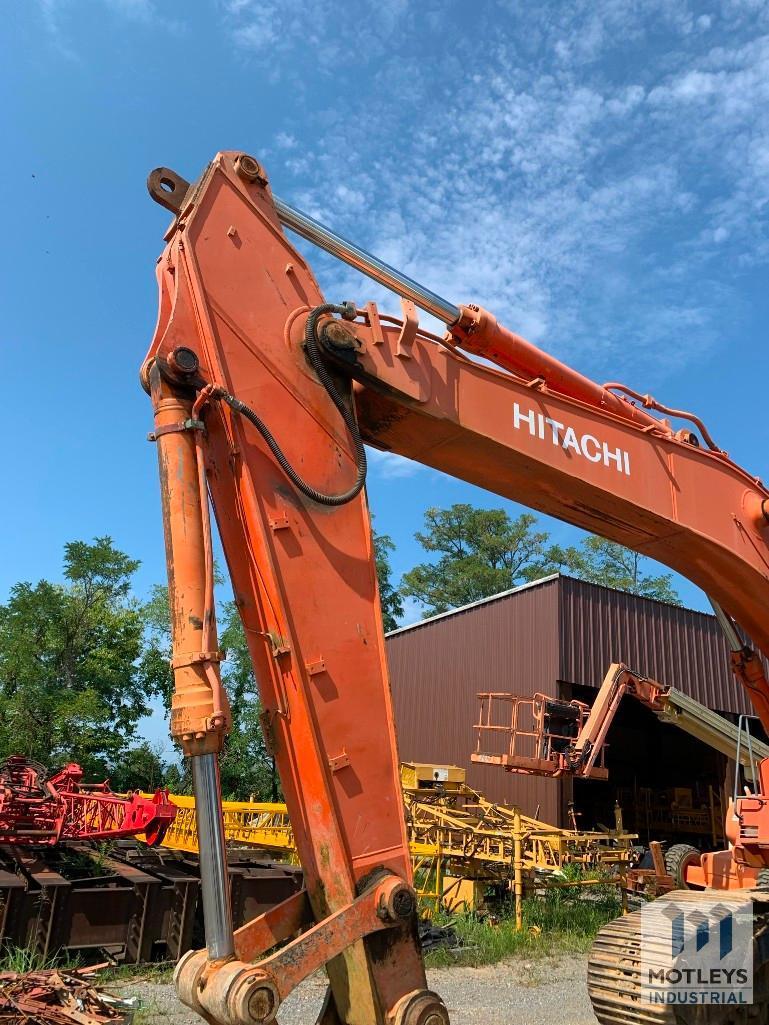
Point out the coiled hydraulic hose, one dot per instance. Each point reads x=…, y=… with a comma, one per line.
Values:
x=312, y=347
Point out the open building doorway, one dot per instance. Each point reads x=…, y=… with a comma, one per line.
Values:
x=669, y=785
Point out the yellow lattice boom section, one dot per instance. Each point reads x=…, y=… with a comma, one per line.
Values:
x=451, y=828
x=480, y=833
x=251, y=823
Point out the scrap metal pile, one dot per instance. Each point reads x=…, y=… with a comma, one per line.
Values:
x=56, y=997
x=62, y=892
x=41, y=810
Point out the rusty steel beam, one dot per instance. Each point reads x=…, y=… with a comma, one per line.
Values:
x=141, y=906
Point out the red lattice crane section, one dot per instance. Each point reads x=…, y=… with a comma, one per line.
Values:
x=42, y=810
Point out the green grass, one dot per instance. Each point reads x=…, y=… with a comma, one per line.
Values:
x=21, y=960
x=561, y=921
x=159, y=971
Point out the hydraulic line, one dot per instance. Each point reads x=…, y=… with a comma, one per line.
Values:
x=206, y=782
x=312, y=348
x=747, y=664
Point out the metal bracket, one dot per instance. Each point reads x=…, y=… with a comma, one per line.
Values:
x=408, y=330
x=243, y=994
x=340, y=761
x=183, y=425
x=192, y=658
x=372, y=313
x=278, y=645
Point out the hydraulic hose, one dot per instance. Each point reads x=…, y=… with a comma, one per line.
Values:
x=312, y=347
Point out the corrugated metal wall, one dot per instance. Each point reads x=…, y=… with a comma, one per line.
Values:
x=537, y=638
x=437, y=667
x=676, y=646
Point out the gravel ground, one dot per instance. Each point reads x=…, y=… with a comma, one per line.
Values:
x=514, y=993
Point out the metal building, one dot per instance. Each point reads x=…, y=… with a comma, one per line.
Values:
x=558, y=636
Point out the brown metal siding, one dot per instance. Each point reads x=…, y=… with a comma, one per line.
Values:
x=438, y=667
x=558, y=631
x=676, y=646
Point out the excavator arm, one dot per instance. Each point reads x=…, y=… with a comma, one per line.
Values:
x=263, y=394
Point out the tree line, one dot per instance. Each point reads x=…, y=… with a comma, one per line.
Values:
x=476, y=552
x=82, y=662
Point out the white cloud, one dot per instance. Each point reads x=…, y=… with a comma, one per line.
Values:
x=266, y=29
x=259, y=33
x=390, y=466
x=583, y=204
x=720, y=104
x=285, y=141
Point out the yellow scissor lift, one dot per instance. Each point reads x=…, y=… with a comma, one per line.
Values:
x=460, y=843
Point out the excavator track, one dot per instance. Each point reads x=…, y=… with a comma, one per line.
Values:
x=614, y=971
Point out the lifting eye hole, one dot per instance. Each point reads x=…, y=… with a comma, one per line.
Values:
x=167, y=188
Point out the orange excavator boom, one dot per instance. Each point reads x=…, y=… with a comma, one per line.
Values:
x=264, y=394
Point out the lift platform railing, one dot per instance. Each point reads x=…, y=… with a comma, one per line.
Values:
x=530, y=735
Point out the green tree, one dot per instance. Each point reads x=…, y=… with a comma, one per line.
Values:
x=157, y=619
x=76, y=669
x=611, y=564
x=389, y=597
x=246, y=765
x=480, y=552
x=178, y=777
x=141, y=768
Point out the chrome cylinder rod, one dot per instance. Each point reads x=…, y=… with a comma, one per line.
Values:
x=727, y=625
x=214, y=881
x=358, y=258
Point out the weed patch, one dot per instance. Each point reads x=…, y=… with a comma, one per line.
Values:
x=22, y=960
x=560, y=921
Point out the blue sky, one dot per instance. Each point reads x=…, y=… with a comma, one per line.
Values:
x=596, y=173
